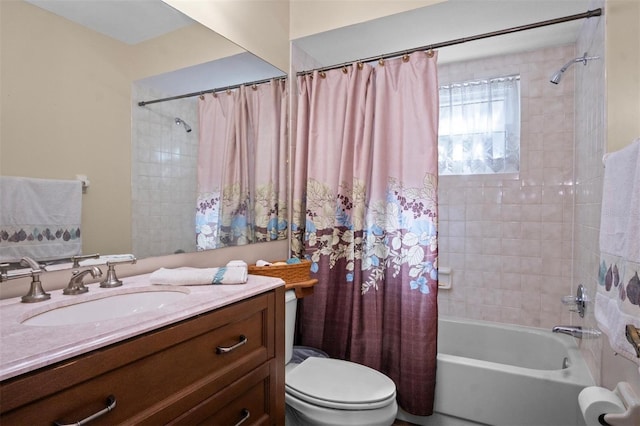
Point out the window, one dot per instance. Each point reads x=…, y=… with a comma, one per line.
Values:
x=479, y=131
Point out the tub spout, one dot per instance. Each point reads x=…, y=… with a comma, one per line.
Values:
x=577, y=331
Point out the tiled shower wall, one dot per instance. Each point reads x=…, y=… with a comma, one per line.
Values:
x=590, y=147
x=164, y=175
x=508, y=238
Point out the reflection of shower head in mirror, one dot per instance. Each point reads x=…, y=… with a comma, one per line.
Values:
x=181, y=122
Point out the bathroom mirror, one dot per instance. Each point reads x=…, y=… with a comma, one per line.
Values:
x=70, y=93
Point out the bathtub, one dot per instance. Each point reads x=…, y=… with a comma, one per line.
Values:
x=501, y=374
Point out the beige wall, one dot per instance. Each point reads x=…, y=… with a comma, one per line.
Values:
x=66, y=107
x=623, y=72
x=65, y=111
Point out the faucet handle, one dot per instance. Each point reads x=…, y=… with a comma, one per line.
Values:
x=579, y=300
x=77, y=259
x=35, y=266
x=111, y=279
x=36, y=291
x=4, y=271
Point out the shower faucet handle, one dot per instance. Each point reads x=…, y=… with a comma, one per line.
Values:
x=579, y=300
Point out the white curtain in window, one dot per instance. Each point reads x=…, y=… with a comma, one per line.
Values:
x=479, y=130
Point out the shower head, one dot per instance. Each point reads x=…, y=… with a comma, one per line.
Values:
x=181, y=122
x=555, y=78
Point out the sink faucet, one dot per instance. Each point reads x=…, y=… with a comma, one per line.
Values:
x=75, y=283
x=36, y=292
x=577, y=331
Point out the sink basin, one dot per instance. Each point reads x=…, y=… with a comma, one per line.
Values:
x=106, y=308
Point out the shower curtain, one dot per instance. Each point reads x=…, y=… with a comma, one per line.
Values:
x=242, y=179
x=365, y=213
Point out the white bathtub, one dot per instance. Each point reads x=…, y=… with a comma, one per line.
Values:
x=500, y=374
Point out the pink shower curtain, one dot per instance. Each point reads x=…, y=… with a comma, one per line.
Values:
x=242, y=181
x=365, y=213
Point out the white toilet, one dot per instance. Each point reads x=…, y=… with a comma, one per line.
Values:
x=325, y=391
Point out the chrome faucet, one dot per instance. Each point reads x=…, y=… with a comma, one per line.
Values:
x=36, y=292
x=577, y=331
x=76, y=285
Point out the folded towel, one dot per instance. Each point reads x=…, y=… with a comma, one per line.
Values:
x=235, y=272
x=39, y=218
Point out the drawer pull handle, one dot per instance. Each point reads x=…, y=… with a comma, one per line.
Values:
x=223, y=350
x=111, y=404
x=245, y=416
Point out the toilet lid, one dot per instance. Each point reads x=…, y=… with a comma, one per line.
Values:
x=339, y=384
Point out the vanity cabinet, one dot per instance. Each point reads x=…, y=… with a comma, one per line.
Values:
x=225, y=367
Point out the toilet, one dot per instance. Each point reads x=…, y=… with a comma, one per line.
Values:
x=325, y=391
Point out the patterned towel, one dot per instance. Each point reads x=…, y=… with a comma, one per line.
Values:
x=39, y=218
x=618, y=296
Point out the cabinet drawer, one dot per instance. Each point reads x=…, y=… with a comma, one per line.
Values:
x=245, y=402
x=145, y=374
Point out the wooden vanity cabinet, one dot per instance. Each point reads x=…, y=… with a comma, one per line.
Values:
x=224, y=367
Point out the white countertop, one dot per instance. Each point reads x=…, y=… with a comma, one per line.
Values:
x=26, y=348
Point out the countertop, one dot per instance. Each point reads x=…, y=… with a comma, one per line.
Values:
x=26, y=348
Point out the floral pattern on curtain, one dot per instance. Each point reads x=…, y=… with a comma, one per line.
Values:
x=365, y=213
x=242, y=182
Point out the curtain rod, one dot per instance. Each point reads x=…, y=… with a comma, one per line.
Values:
x=587, y=14
x=218, y=89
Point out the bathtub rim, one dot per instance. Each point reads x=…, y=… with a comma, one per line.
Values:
x=577, y=362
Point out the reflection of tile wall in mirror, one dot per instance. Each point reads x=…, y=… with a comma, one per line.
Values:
x=163, y=175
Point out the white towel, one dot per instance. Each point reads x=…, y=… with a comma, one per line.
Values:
x=620, y=221
x=235, y=272
x=618, y=295
x=39, y=218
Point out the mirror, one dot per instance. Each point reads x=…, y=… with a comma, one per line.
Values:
x=69, y=104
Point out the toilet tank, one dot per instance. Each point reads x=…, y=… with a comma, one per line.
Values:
x=290, y=306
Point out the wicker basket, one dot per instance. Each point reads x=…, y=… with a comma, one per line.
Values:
x=290, y=273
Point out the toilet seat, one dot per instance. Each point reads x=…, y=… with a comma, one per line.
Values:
x=323, y=382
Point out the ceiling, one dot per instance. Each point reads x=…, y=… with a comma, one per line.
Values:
x=449, y=20
x=130, y=21
x=133, y=21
